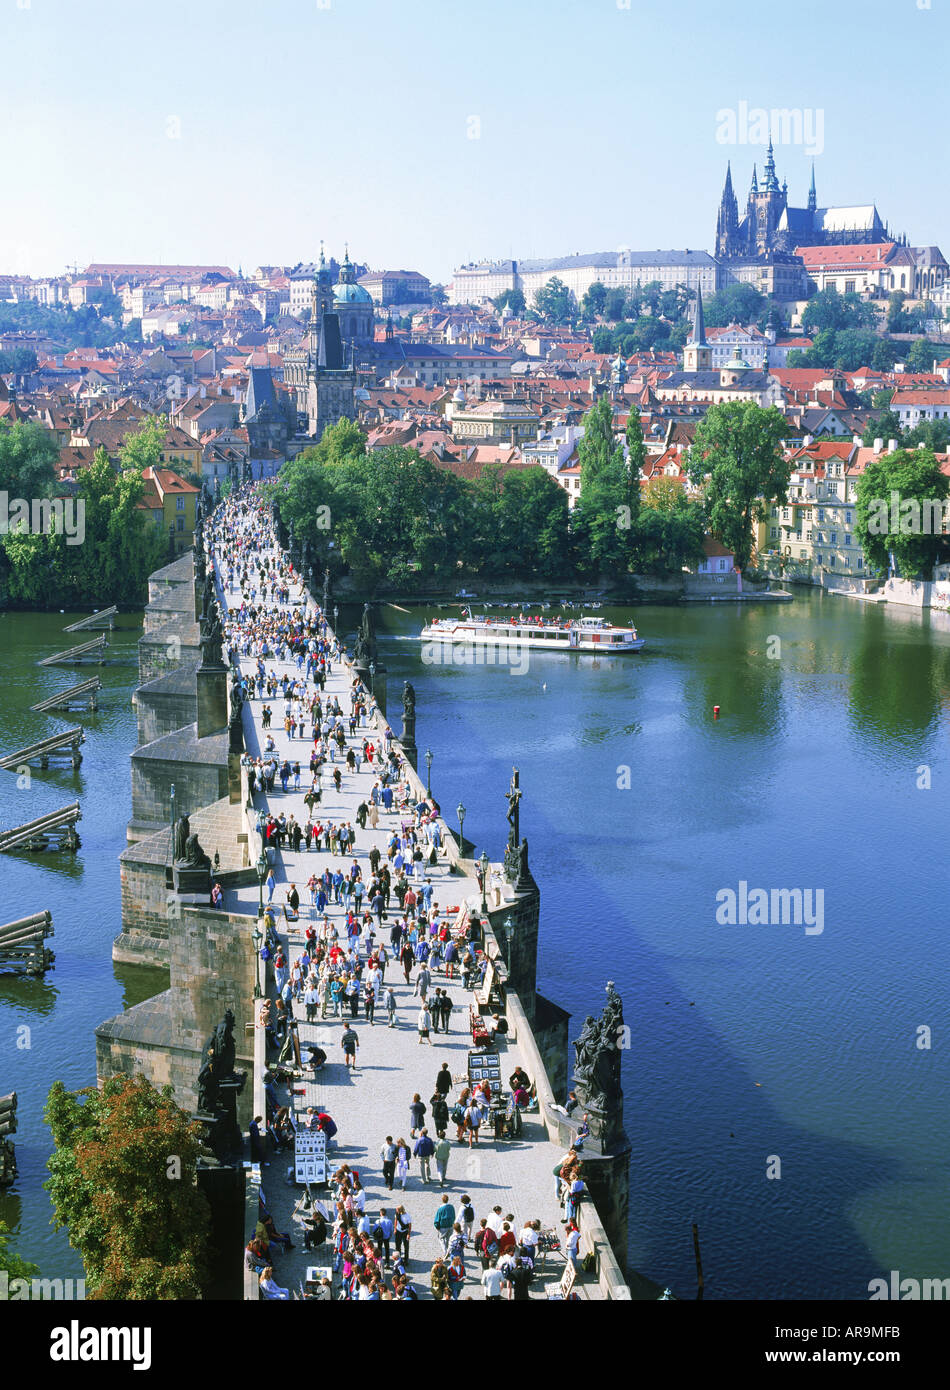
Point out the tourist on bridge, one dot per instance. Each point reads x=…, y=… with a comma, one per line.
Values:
x=387, y=1153
x=402, y=1166
x=423, y=1024
x=403, y=1226
x=350, y=1043
x=443, y=1149
x=417, y=1112
x=444, y=1221
x=423, y=1150
x=390, y=1002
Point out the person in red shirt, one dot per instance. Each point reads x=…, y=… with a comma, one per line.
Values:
x=507, y=1240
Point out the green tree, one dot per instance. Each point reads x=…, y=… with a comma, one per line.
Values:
x=123, y=1182
x=739, y=303
x=438, y=295
x=514, y=299
x=143, y=447
x=886, y=426
x=900, y=507
x=604, y=340
x=554, y=301
x=932, y=434
x=11, y=1263
x=896, y=318
x=603, y=518
x=737, y=457
x=922, y=355
x=614, y=305
x=593, y=301
x=671, y=528
x=830, y=310
x=27, y=455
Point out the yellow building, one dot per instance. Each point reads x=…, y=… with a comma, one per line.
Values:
x=171, y=502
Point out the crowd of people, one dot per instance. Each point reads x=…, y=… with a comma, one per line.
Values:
x=370, y=916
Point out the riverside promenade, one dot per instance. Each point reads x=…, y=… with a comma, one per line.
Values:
x=373, y=1101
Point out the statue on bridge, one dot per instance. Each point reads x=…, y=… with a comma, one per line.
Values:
x=219, y=1086
x=597, y=1054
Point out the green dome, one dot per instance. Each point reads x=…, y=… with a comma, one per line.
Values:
x=351, y=294
x=347, y=291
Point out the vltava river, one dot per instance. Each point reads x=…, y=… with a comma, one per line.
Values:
x=749, y=1043
x=754, y=1048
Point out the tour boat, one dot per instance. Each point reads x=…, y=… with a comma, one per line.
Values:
x=518, y=634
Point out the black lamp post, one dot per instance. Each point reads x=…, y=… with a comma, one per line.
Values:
x=485, y=867
x=261, y=875
x=428, y=772
x=460, y=812
x=258, y=940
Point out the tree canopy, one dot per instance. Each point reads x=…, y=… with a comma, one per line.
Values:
x=899, y=512
x=123, y=1182
x=554, y=301
x=737, y=458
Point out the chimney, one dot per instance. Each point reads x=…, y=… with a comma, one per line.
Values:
x=806, y=441
x=879, y=445
x=891, y=445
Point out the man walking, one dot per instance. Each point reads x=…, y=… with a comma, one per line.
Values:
x=423, y=1151
x=387, y=1153
x=442, y=1151
x=443, y=1222
x=350, y=1043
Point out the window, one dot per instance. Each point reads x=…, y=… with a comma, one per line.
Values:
x=847, y=540
x=181, y=523
x=833, y=538
x=179, y=505
x=847, y=517
x=773, y=532
x=849, y=287
x=821, y=513
x=803, y=554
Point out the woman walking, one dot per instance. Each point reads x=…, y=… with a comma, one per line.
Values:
x=403, y=1231
x=402, y=1162
x=417, y=1113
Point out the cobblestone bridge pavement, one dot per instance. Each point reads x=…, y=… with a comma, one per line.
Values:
x=392, y=1065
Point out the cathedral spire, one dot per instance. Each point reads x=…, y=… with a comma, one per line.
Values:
x=812, y=194
x=771, y=182
x=698, y=336
x=755, y=182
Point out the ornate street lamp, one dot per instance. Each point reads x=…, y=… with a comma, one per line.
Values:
x=483, y=861
x=429, y=771
x=258, y=941
x=460, y=812
x=509, y=932
x=261, y=875
x=336, y=619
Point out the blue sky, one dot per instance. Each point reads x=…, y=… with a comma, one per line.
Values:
x=432, y=132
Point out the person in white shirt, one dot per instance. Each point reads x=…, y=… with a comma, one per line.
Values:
x=528, y=1240
x=496, y=1220
x=492, y=1282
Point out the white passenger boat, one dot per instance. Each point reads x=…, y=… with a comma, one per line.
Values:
x=518, y=634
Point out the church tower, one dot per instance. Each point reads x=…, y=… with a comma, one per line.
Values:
x=697, y=354
x=727, y=223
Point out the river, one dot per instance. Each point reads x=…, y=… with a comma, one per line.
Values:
x=775, y=1092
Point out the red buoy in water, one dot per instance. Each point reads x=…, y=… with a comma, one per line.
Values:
x=715, y=711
